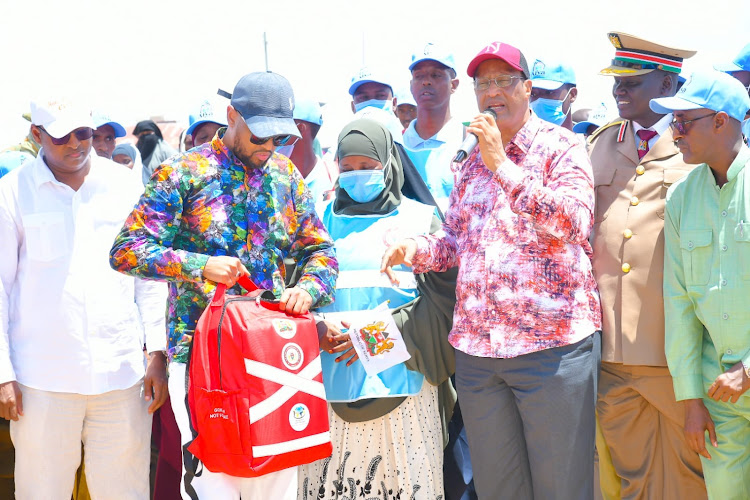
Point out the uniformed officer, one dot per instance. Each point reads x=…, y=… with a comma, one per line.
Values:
x=635, y=161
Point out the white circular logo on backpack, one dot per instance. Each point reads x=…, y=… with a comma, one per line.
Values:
x=284, y=328
x=299, y=417
x=292, y=356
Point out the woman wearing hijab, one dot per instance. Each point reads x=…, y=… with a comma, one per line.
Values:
x=152, y=146
x=387, y=429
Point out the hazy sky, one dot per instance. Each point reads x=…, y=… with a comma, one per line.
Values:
x=142, y=58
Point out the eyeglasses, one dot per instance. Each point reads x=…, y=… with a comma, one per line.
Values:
x=501, y=81
x=82, y=134
x=278, y=140
x=680, y=126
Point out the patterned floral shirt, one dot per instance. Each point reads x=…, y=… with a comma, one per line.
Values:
x=520, y=239
x=205, y=203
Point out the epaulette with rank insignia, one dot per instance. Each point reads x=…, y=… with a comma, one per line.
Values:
x=620, y=134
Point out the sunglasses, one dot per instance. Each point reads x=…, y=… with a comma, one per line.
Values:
x=680, y=126
x=82, y=134
x=278, y=140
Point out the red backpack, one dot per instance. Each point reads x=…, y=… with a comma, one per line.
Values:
x=255, y=389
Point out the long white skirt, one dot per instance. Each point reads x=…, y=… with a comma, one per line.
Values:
x=398, y=456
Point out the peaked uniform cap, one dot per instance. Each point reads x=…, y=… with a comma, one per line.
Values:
x=635, y=56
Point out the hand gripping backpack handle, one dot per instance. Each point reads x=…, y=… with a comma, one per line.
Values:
x=244, y=281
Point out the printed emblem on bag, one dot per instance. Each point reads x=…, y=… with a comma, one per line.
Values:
x=292, y=356
x=286, y=328
x=376, y=338
x=299, y=417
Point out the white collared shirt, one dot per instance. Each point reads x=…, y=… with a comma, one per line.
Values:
x=659, y=127
x=68, y=322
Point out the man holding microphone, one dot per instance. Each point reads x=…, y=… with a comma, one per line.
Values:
x=527, y=315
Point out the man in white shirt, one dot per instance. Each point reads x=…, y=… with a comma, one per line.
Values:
x=431, y=141
x=71, y=329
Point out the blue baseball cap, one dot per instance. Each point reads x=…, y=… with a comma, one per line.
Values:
x=102, y=119
x=308, y=110
x=368, y=75
x=432, y=52
x=207, y=112
x=597, y=117
x=740, y=63
x=404, y=96
x=266, y=102
x=712, y=90
x=551, y=75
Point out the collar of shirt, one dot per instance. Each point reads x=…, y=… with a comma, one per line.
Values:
x=659, y=127
x=739, y=163
x=525, y=136
x=222, y=152
x=447, y=133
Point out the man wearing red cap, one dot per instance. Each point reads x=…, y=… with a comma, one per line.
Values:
x=527, y=312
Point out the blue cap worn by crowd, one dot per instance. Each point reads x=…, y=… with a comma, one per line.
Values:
x=432, y=52
x=404, y=96
x=740, y=63
x=10, y=160
x=308, y=110
x=597, y=117
x=367, y=75
x=551, y=75
x=709, y=90
x=207, y=112
x=102, y=119
x=266, y=102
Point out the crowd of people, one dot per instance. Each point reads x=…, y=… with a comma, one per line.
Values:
x=571, y=295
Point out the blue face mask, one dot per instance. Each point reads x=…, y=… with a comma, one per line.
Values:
x=363, y=185
x=285, y=150
x=386, y=105
x=550, y=109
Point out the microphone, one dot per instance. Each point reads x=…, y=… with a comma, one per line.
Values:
x=470, y=142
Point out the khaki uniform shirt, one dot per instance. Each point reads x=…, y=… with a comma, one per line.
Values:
x=628, y=240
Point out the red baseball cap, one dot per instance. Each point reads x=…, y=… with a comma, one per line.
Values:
x=502, y=51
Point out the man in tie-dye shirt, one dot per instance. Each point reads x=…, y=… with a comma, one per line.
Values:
x=230, y=207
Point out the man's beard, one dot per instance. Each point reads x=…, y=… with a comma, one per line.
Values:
x=244, y=157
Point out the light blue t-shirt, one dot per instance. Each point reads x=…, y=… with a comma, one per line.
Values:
x=432, y=157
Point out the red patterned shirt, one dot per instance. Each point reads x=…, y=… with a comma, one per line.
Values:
x=520, y=239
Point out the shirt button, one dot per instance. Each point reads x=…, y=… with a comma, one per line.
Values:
x=725, y=316
x=723, y=213
x=627, y=234
x=723, y=282
x=723, y=248
x=640, y=170
x=690, y=244
x=729, y=351
x=634, y=200
x=626, y=268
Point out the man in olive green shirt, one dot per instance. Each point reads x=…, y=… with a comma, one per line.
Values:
x=707, y=277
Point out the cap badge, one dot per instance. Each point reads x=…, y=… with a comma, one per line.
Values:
x=493, y=47
x=538, y=69
x=205, y=110
x=428, y=49
x=615, y=40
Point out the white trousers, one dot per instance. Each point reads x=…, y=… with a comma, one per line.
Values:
x=281, y=485
x=115, y=428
